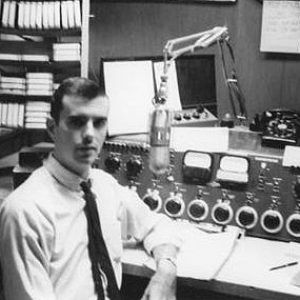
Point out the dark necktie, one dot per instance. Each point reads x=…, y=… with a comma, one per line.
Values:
x=97, y=249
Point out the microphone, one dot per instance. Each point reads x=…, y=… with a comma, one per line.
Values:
x=160, y=130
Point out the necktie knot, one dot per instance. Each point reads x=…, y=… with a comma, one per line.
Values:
x=86, y=186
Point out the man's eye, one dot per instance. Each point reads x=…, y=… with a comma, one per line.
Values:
x=99, y=122
x=76, y=122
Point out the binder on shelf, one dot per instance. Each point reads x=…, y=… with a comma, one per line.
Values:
x=21, y=115
x=66, y=46
x=0, y=106
x=40, y=114
x=35, y=125
x=77, y=13
x=32, y=92
x=17, y=80
x=45, y=15
x=57, y=14
x=15, y=115
x=39, y=75
x=35, y=57
x=9, y=56
x=9, y=121
x=21, y=15
x=33, y=7
x=26, y=23
x=12, y=14
x=4, y=113
x=51, y=22
x=64, y=15
x=39, y=15
x=71, y=15
x=5, y=13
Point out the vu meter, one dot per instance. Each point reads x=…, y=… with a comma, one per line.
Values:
x=233, y=169
x=197, y=167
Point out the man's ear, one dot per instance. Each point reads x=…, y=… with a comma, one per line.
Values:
x=51, y=127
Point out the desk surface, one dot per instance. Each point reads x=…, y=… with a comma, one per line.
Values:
x=245, y=274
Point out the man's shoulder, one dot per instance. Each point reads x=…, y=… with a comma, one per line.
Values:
x=29, y=191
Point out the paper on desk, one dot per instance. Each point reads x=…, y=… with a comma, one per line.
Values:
x=211, y=139
x=250, y=264
x=202, y=254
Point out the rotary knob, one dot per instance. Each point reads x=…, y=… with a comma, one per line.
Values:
x=293, y=225
x=174, y=205
x=112, y=163
x=133, y=167
x=197, y=210
x=246, y=217
x=271, y=221
x=152, y=199
x=222, y=213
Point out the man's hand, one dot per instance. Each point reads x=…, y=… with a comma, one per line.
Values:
x=162, y=285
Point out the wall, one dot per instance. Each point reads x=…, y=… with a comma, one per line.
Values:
x=141, y=29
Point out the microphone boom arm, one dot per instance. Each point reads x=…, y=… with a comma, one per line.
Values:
x=198, y=40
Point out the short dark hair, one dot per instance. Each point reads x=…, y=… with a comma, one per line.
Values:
x=73, y=86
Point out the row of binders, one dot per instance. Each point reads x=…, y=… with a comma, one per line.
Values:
x=60, y=52
x=31, y=115
x=41, y=15
x=34, y=84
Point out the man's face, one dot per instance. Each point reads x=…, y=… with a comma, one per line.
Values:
x=80, y=132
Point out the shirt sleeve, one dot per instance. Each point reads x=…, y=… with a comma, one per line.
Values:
x=151, y=228
x=25, y=247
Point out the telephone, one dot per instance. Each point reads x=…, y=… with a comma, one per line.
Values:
x=280, y=127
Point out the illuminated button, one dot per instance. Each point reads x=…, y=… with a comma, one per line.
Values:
x=293, y=225
x=271, y=221
x=246, y=217
x=197, y=210
x=222, y=213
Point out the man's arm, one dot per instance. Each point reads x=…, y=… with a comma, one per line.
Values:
x=24, y=258
x=162, y=285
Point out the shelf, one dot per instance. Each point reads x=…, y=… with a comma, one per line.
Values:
x=23, y=98
x=51, y=64
x=29, y=45
x=45, y=33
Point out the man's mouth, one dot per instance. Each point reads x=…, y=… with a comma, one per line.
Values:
x=87, y=149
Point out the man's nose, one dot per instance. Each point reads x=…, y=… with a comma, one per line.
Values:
x=89, y=131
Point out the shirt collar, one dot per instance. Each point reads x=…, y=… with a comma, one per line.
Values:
x=62, y=175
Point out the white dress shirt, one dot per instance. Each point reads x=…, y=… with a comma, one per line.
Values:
x=43, y=233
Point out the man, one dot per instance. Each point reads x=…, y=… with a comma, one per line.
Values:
x=45, y=246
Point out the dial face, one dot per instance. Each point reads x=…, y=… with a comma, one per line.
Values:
x=197, y=160
x=234, y=164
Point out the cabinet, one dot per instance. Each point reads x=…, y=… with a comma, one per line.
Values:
x=41, y=43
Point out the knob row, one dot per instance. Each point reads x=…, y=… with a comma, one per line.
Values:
x=222, y=213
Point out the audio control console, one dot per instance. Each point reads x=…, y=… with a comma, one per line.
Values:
x=252, y=191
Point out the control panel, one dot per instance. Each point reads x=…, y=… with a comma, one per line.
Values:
x=251, y=191
x=196, y=117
